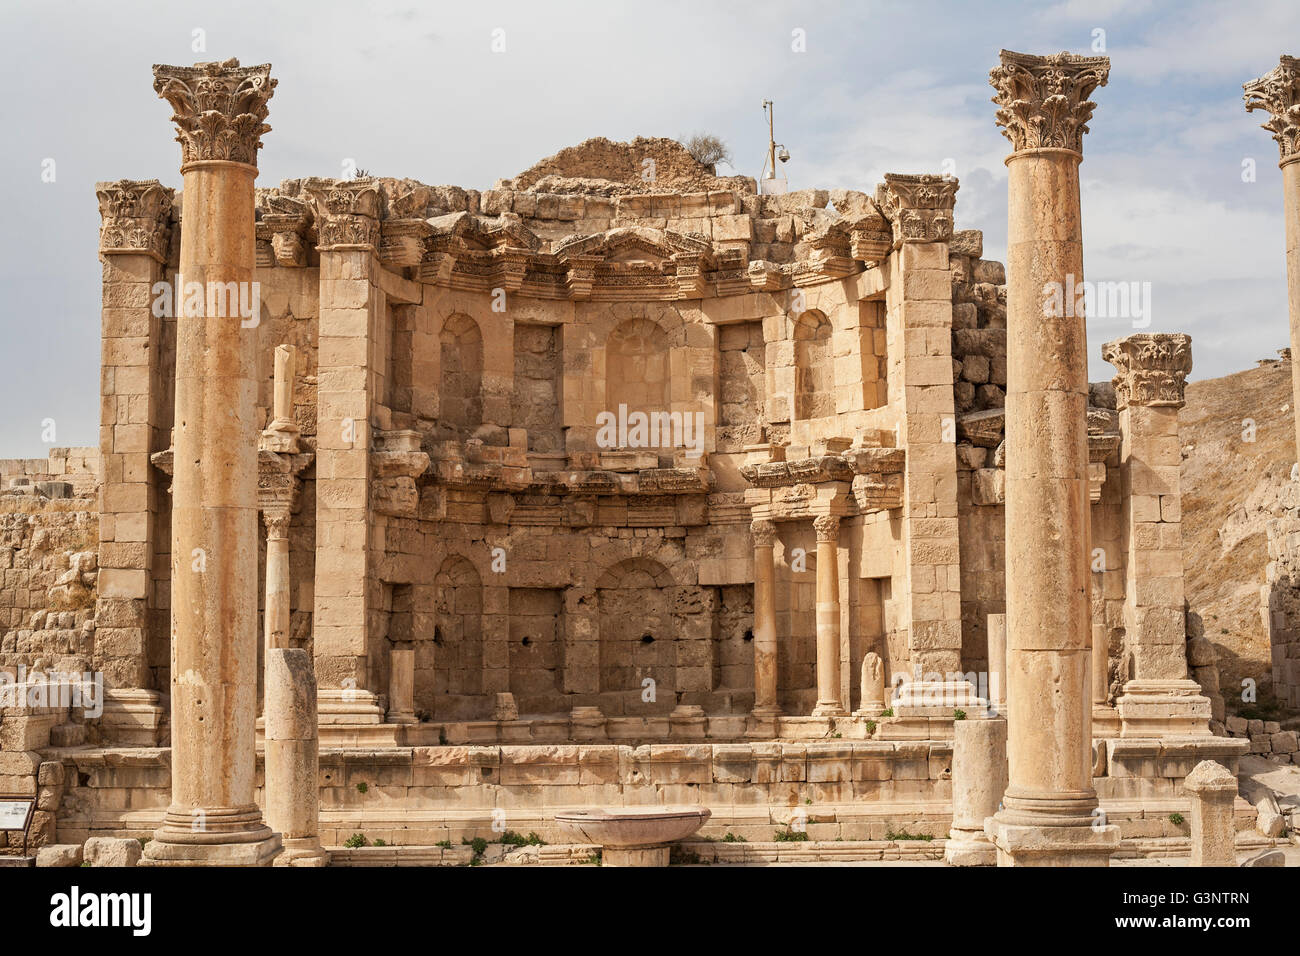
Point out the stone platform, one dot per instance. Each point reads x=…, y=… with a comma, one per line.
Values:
x=849, y=789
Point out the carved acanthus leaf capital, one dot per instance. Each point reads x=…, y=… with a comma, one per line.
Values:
x=347, y=211
x=1278, y=92
x=764, y=532
x=219, y=108
x=827, y=527
x=277, y=523
x=1152, y=368
x=136, y=217
x=1043, y=100
x=918, y=207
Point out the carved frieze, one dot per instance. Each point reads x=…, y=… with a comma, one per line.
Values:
x=135, y=217
x=1043, y=100
x=219, y=108
x=1152, y=368
x=1278, y=93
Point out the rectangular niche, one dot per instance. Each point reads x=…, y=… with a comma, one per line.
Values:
x=741, y=374
x=535, y=404
x=537, y=650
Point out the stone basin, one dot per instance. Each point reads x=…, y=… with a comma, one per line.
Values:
x=632, y=836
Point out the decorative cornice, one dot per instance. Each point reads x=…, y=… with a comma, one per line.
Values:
x=347, y=212
x=1152, y=368
x=1278, y=92
x=1043, y=100
x=220, y=108
x=919, y=207
x=136, y=217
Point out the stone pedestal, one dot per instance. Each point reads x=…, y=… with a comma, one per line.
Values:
x=979, y=778
x=1213, y=790
x=292, y=757
x=828, y=617
x=213, y=818
x=765, y=687
x=1049, y=808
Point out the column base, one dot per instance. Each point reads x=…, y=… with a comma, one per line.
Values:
x=829, y=708
x=303, y=852
x=587, y=724
x=931, y=698
x=634, y=856
x=1027, y=845
x=160, y=852
x=1163, y=708
x=349, y=707
x=969, y=848
x=132, y=717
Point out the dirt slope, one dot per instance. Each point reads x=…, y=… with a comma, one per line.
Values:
x=1231, y=487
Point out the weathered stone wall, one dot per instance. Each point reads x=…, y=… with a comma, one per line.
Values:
x=49, y=562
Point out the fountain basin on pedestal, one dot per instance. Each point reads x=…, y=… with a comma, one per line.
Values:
x=633, y=836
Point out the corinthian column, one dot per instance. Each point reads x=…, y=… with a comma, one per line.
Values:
x=1278, y=93
x=1048, y=809
x=828, y=616
x=764, y=532
x=213, y=819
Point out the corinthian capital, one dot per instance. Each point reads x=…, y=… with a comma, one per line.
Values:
x=1043, y=100
x=1151, y=368
x=1278, y=92
x=347, y=211
x=827, y=527
x=918, y=207
x=764, y=532
x=219, y=108
x=136, y=217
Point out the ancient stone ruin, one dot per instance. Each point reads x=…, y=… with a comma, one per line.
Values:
x=618, y=484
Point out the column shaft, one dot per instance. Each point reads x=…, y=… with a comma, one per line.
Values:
x=828, y=617
x=1049, y=632
x=765, y=652
x=276, y=613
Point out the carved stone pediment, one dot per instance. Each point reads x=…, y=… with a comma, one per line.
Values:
x=635, y=244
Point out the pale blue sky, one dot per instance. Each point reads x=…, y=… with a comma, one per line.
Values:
x=414, y=89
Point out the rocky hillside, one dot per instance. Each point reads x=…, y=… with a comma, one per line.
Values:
x=1232, y=485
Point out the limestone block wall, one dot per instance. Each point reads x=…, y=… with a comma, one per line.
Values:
x=49, y=573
